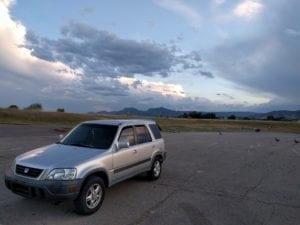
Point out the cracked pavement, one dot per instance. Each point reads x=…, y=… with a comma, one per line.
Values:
x=208, y=179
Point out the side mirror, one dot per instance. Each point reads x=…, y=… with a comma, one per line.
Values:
x=123, y=143
x=61, y=136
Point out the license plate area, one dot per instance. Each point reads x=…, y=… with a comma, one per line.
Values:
x=21, y=189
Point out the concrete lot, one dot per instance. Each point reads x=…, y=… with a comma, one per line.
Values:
x=208, y=179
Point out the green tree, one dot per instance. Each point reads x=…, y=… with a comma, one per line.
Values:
x=195, y=115
x=209, y=116
x=231, y=117
x=35, y=106
x=60, y=110
x=13, y=107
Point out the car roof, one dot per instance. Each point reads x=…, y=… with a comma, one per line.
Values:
x=121, y=122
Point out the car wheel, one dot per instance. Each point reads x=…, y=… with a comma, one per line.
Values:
x=90, y=197
x=155, y=171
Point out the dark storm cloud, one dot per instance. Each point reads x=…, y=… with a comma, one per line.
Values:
x=108, y=87
x=269, y=61
x=102, y=53
x=226, y=96
x=42, y=47
x=207, y=74
x=136, y=84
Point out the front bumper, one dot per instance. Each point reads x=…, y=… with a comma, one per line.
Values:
x=42, y=189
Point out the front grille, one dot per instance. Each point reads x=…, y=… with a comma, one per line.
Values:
x=28, y=171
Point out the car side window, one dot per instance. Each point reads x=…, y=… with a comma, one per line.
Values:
x=128, y=133
x=155, y=130
x=142, y=134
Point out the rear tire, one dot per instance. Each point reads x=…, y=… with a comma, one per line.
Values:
x=156, y=169
x=90, y=197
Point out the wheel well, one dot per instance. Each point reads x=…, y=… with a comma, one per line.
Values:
x=159, y=157
x=100, y=174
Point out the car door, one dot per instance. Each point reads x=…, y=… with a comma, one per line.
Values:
x=145, y=146
x=125, y=159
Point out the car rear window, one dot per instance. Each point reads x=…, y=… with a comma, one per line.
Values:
x=155, y=130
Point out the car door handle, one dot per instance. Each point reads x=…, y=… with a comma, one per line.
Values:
x=134, y=151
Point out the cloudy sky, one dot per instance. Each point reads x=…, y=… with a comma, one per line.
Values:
x=206, y=55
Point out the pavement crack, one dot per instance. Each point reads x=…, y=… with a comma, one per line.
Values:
x=195, y=216
x=253, y=188
x=274, y=203
x=269, y=220
x=150, y=211
x=229, y=195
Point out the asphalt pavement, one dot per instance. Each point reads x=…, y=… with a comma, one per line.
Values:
x=208, y=179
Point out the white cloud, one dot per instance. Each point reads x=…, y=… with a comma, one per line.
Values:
x=7, y=3
x=219, y=2
x=142, y=86
x=292, y=32
x=248, y=9
x=265, y=62
x=18, y=60
x=183, y=9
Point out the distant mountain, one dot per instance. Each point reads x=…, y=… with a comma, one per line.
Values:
x=129, y=111
x=164, y=112
x=155, y=112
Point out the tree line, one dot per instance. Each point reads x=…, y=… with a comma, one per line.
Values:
x=33, y=106
x=198, y=115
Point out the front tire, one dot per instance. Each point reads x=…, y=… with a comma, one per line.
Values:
x=90, y=197
x=156, y=169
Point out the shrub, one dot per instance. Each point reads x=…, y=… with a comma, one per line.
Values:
x=13, y=107
x=231, y=117
x=60, y=110
x=35, y=106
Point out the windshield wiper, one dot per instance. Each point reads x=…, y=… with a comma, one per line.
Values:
x=81, y=145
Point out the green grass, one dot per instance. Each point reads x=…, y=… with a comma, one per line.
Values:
x=169, y=125
x=180, y=125
x=37, y=117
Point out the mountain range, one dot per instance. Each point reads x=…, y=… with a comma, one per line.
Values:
x=164, y=112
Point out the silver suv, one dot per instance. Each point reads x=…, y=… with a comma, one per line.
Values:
x=91, y=157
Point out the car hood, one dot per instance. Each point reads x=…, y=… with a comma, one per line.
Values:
x=57, y=156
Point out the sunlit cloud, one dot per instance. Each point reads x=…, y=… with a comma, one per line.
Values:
x=248, y=9
x=7, y=3
x=18, y=60
x=174, y=90
x=219, y=2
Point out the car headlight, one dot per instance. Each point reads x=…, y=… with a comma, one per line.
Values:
x=62, y=174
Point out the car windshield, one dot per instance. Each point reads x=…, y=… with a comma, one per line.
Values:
x=91, y=136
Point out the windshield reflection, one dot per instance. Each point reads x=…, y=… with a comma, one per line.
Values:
x=91, y=136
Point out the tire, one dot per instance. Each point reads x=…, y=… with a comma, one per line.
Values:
x=156, y=169
x=90, y=197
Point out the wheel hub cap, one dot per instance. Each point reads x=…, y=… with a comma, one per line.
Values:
x=93, y=196
x=156, y=168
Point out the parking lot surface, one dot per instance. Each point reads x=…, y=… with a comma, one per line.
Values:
x=208, y=179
